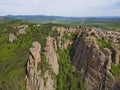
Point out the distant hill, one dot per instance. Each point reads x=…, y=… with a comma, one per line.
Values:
x=43, y=18
x=108, y=23
x=39, y=18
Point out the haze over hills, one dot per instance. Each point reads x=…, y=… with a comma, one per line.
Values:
x=59, y=18
x=109, y=23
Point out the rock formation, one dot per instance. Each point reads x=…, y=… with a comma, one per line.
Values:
x=33, y=79
x=93, y=60
x=108, y=60
x=117, y=56
x=94, y=63
x=21, y=29
x=41, y=78
x=51, y=55
x=66, y=44
x=12, y=37
x=35, y=53
x=63, y=42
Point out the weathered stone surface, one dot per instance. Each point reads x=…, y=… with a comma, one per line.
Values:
x=62, y=42
x=12, y=37
x=66, y=44
x=90, y=61
x=51, y=54
x=21, y=29
x=35, y=53
x=93, y=62
x=116, y=85
x=55, y=44
x=32, y=73
x=117, y=56
x=108, y=61
x=36, y=79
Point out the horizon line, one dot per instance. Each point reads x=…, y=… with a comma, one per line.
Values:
x=59, y=16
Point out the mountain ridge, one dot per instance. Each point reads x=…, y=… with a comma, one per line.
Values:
x=47, y=17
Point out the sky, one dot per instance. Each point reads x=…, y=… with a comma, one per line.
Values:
x=74, y=8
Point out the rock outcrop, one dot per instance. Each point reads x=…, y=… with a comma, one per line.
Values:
x=117, y=56
x=21, y=29
x=62, y=41
x=40, y=77
x=108, y=61
x=51, y=55
x=33, y=79
x=35, y=53
x=94, y=63
x=66, y=44
x=93, y=57
x=12, y=37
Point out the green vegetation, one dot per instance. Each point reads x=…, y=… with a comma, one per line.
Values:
x=116, y=71
x=68, y=78
x=13, y=56
x=108, y=23
x=69, y=36
x=105, y=24
x=44, y=66
x=103, y=44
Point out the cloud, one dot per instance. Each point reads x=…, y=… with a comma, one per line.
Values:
x=60, y=7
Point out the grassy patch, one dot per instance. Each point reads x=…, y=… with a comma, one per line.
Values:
x=103, y=44
x=116, y=71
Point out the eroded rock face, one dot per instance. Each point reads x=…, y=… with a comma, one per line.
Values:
x=21, y=29
x=12, y=37
x=66, y=44
x=116, y=85
x=51, y=54
x=93, y=62
x=32, y=73
x=90, y=61
x=35, y=53
x=62, y=42
x=112, y=36
x=108, y=54
x=37, y=78
x=117, y=56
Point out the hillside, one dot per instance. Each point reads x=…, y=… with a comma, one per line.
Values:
x=108, y=23
x=53, y=56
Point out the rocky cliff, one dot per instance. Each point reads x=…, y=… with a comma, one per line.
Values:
x=40, y=77
x=51, y=55
x=95, y=51
x=93, y=57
